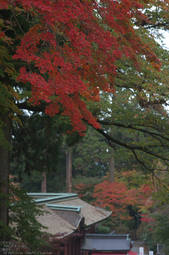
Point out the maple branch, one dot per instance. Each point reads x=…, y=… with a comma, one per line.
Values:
x=141, y=162
x=162, y=144
x=135, y=128
x=13, y=11
x=158, y=25
x=110, y=138
x=133, y=148
x=36, y=108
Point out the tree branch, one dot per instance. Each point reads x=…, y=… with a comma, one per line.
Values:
x=133, y=148
x=136, y=128
x=35, y=108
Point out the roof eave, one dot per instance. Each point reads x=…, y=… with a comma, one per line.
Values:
x=96, y=222
x=105, y=250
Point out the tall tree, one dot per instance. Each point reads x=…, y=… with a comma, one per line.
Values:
x=35, y=144
x=76, y=49
x=67, y=51
x=91, y=155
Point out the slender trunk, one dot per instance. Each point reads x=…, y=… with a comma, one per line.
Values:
x=111, y=168
x=4, y=177
x=112, y=162
x=69, y=171
x=44, y=183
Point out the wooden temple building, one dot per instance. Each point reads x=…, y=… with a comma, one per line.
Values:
x=71, y=222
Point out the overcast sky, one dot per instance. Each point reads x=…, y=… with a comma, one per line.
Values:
x=165, y=42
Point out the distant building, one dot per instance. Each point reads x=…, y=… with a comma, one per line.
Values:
x=160, y=249
x=112, y=244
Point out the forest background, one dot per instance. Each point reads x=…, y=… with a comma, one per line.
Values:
x=91, y=83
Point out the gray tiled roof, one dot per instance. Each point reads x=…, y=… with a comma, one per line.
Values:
x=90, y=213
x=66, y=221
x=55, y=223
x=94, y=242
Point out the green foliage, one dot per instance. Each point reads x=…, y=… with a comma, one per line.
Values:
x=8, y=74
x=136, y=113
x=160, y=228
x=36, y=144
x=106, y=225
x=155, y=227
x=157, y=230
x=56, y=182
x=91, y=155
x=23, y=223
x=32, y=182
x=102, y=229
x=134, y=117
x=132, y=178
x=148, y=237
x=84, y=187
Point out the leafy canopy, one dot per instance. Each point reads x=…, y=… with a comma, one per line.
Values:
x=71, y=48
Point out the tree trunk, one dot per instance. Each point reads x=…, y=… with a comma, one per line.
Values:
x=44, y=183
x=111, y=168
x=4, y=176
x=112, y=160
x=69, y=171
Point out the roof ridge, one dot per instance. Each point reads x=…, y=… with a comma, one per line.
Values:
x=49, y=197
x=65, y=207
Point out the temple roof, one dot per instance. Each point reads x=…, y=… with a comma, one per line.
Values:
x=107, y=243
x=65, y=212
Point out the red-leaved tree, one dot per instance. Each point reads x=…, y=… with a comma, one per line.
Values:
x=116, y=197
x=67, y=51
x=71, y=48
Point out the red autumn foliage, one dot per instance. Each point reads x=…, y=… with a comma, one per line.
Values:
x=145, y=217
x=73, y=46
x=81, y=189
x=146, y=201
x=116, y=196
x=145, y=192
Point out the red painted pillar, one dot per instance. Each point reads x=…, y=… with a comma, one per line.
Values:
x=66, y=250
x=69, y=249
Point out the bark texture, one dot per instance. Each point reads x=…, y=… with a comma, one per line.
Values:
x=69, y=171
x=111, y=168
x=44, y=183
x=4, y=175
